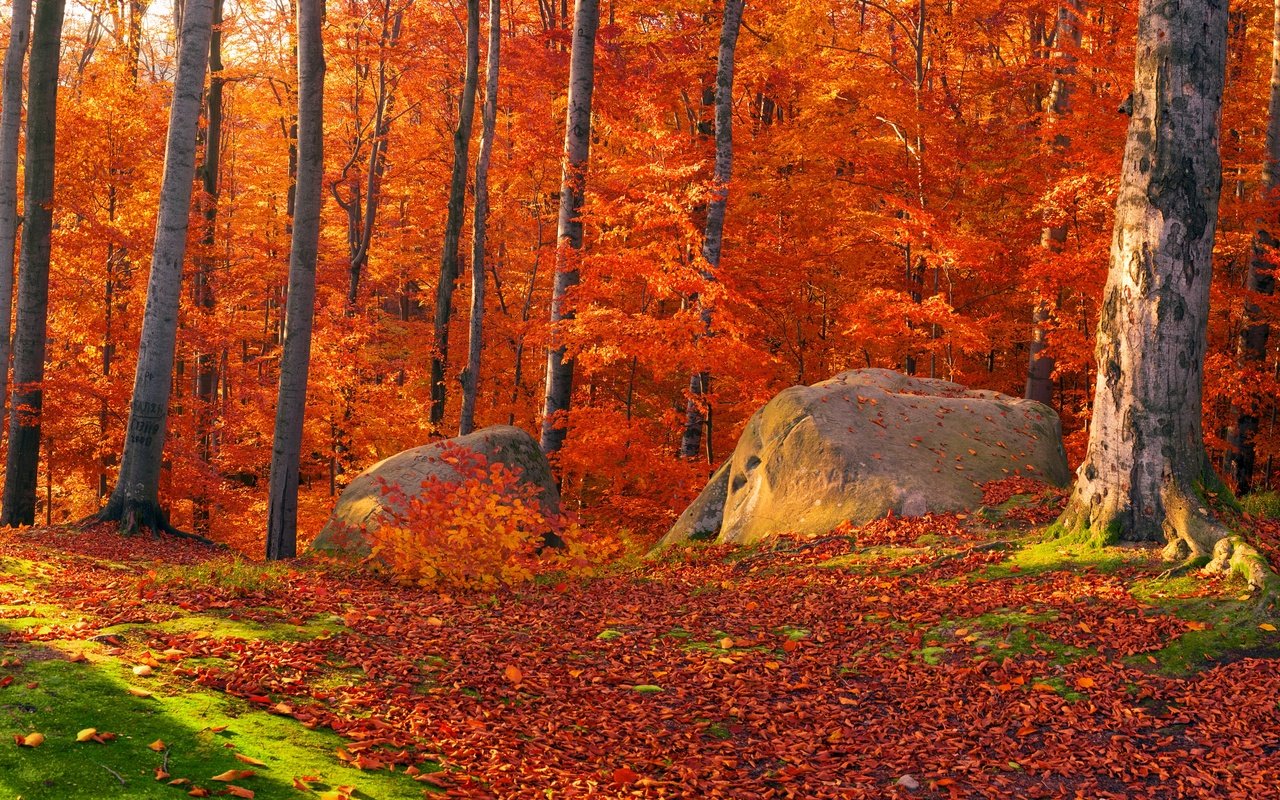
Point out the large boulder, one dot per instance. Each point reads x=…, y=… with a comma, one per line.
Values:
x=360, y=504
x=865, y=443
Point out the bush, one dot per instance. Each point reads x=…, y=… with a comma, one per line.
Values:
x=478, y=532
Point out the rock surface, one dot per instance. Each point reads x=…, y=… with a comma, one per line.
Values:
x=361, y=502
x=865, y=443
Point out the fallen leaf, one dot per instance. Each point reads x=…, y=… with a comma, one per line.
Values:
x=1267, y=626
x=143, y=671
x=157, y=745
x=86, y=734
x=31, y=740
x=241, y=757
x=513, y=674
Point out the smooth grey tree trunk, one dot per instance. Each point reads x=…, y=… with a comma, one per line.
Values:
x=573, y=183
x=1054, y=237
x=1146, y=468
x=480, y=221
x=698, y=411
x=10, y=131
x=1256, y=330
x=31, y=333
x=453, y=218
x=135, y=500
x=295, y=359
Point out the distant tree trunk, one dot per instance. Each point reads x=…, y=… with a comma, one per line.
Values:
x=697, y=412
x=282, y=503
x=10, y=128
x=135, y=500
x=573, y=183
x=1256, y=331
x=1040, y=367
x=453, y=220
x=1146, y=465
x=206, y=362
x=480, y=220
x=30, y=334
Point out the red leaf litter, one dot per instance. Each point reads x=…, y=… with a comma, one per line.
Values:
x=780, y=675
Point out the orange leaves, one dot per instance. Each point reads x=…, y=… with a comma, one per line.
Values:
x=29, y=740
x=513, y=674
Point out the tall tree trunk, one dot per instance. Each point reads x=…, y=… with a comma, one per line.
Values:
x=135, y=500
x=1256, y=331
x=205, y=301
x=453, y=220
x=480, y=221
x=1041, y=365
x=573, y=183
x=1146, y=464
x=282, y=503
x=10, y=128
x=697, y=413
x=30, y=334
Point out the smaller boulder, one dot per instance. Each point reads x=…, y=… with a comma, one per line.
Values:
x=361, y=504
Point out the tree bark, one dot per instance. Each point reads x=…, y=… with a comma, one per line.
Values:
x=10, y=129
x=697, y=411
x=286, y=451
x=1256, y=330
x=1054, y=237
x=30, y=334
x=1146, y=470
x=480, y=220
x=135, y=500
x=453, y=220
x=573, y=182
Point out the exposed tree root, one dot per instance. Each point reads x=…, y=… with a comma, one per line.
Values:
x=134, y=516
x=1234, y=556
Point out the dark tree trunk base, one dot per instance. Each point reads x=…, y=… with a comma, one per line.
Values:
x=134, y=516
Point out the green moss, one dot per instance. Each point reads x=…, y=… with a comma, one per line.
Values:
x=220, y=626
x=609, y=634
x=1067, y=553
x=69, y=697
x=1262, y=504
x=931, y=655
x=648, y=688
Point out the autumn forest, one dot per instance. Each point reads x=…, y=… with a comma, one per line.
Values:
x=829, y=361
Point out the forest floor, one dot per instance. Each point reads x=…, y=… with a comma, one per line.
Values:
x=910, y=658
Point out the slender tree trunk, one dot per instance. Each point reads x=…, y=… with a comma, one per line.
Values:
x=1040, y=364
x=282, y=507
x=10, y=129
x=697, y=411
x=573, y=183
x=205, y=301
x=1146, y=465
x=453, y=220
x=30, y=334
x=1261, y=279
x=480, y=221
x=135, y=500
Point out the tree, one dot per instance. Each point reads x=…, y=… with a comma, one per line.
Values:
x=573, y=182
x=31, y=329
x=1067, y=38
x=698, y=412
x=10, y=127
x=453, y=219
x=135, y=501
x=1146, y=468
x=282, y=502
x=1261, y=280
x=480, y=221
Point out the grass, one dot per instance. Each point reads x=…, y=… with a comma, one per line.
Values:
x=59, y=698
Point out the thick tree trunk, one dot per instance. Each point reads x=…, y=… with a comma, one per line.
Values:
x=1146, y=467
x=573, y=182
x=1256, y=330
x=453, y=220
x=1054, y=237
x=135, y=500
x=697, y=411
x=30, y=333
x=206, y=362
x=480, y=221
x=10, y=129
x=282, y=503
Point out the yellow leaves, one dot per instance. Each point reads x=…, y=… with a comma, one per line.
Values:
x=1195, y=625
x=136, y=692
x=1042, y=687
x=30, y=740
x=726, y=643
x=1267, y=626
x=233, y=775
x=513, y=674
x=158, y=745
x=86, y=734
x=435, y=622
x=143, y=671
